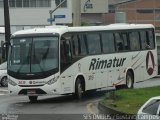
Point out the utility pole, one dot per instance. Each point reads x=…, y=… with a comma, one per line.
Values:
x=7, y=25
x=76, y=12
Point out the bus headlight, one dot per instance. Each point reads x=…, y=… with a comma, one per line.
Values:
x=52, y=81
x=12, y=82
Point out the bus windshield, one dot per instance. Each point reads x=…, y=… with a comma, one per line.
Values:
x=33, y=54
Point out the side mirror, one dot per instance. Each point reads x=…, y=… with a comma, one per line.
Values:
x=4, y=50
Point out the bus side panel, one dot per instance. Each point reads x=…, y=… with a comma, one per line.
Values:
x=144, y=64
x=110, y=69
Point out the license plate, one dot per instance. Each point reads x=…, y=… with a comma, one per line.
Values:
x=31, y=92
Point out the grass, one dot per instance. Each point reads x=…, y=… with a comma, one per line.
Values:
x=129, y=100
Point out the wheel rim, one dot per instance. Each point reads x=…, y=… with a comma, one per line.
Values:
x=4, y=81
x=129, y=81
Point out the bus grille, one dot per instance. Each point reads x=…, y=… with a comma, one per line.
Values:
x=37, y=91
x=30, y=85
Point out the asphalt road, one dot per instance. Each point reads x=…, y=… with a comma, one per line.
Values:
x=55, y=107
x=48, y=107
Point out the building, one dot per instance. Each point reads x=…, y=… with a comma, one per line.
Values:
x=93, y=11
x=26, y=14
x=136, y=11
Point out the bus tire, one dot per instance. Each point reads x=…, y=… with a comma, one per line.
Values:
x=33, y=99
x=129, y=80
x=78, y=89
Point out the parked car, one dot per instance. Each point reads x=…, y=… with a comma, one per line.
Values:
x=150, y=110
x=3, y=74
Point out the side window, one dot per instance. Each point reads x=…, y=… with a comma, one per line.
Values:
x=94, y=45
x=134, y=41
x=82, y=42
x=151, y=39
x=125, y=41
x=108, y=42
x=144, y=44
x=151, y=107
x=119, y=42
x=65, y=51
x=75, y=45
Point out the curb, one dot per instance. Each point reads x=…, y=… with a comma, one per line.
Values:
x=107, y=110
x=114, y=113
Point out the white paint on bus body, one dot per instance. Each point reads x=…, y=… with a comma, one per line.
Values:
x=98, y=70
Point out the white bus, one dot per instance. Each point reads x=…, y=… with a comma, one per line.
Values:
x=72, y=60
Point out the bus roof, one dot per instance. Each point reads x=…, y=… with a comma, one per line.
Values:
x=111, y=27
x=63, y=29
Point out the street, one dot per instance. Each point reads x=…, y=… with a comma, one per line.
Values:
x=48, y=107
x=55, y=107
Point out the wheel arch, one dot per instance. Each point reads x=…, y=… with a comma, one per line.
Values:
x=3, y=77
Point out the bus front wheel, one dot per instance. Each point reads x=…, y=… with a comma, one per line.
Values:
x=78, y=89
x=33, y=99
x=129, y=80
